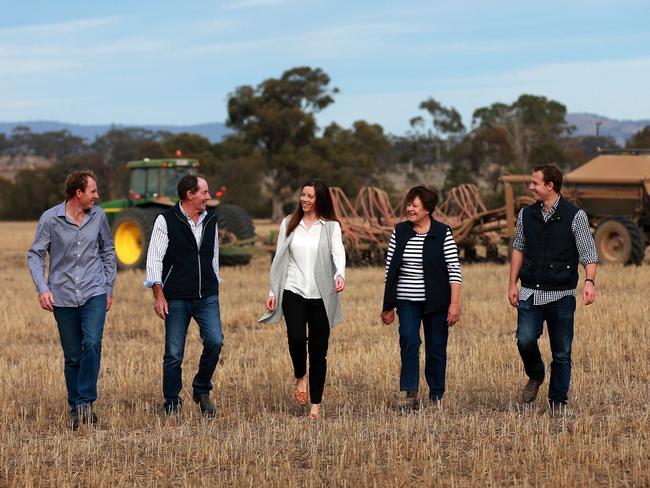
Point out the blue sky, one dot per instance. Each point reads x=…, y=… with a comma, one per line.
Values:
x=170, y=62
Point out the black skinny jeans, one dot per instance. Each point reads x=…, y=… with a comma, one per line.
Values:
x=298, y=313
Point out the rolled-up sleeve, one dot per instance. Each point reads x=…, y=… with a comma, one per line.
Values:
x=451, y=259
x=338, y=251
x=519, y=241
x=107, y=254
x=36, y=255
x=156, y=253
x=584, y=240
x=215, y=256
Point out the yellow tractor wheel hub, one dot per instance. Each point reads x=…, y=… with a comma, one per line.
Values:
x=128, y=243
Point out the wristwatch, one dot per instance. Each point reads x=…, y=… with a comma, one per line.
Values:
x=592, y=281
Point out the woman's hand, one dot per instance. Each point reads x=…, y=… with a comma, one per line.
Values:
x=270, y=303
x=453, y=314
x=388, y=317
x=340, y=283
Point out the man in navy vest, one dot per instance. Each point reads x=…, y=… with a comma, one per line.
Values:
x=183, y=272
x=552, y=237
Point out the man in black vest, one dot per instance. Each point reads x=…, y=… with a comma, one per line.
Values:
x=552, y=236
x=183, y=272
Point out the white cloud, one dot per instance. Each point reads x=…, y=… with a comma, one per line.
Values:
x=339, y=41
x=21, y=67
x=242, y=4
x=219, y=25
x=58, y=28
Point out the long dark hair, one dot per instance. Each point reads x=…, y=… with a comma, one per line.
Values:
x=324, y=205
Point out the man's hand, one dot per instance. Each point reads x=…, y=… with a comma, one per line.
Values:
x=160, y=303
x=340, y=283
x=453, y=314
x=160, y=306
x=588, y=293
x=109, y=302
x=513, y=295
x=388, y=317
x=270, y=303
x=47, y=301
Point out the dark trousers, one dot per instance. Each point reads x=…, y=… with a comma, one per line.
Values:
x=559, y=322
x=206, y=313
x=300, y=313
x=81, y=330
x=411, y=315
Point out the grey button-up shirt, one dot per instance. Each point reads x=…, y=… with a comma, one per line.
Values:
x=82, y=257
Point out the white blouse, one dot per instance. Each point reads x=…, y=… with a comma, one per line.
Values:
x=302, y=256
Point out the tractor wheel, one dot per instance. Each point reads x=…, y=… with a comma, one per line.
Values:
x=131, y=232
x=234, y=219
x=619, y=241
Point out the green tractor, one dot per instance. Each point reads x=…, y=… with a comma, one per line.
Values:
x=152, y=189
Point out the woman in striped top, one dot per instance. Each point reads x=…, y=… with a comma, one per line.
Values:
x=423, y=280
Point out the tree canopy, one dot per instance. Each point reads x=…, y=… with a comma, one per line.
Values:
x=278, y=118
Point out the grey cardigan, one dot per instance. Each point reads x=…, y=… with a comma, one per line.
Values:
x=323, y=273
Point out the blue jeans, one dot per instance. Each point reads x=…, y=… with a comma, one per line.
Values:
x=559, y=322
x=206, y=313
x=81, y=329
x=436, y=332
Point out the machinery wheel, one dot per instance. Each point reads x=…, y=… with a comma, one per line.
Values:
x=234, y=219
x=131, y=232
x=619, y=241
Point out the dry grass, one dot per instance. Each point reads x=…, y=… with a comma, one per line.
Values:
x=262, y=438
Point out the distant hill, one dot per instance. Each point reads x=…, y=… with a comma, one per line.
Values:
x=621, y=130
x=585, y=124
x=214, y=131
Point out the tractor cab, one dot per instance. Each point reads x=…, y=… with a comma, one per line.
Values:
x=156, y=180
x=153, y=188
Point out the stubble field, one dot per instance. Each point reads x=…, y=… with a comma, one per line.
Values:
x=262, y=438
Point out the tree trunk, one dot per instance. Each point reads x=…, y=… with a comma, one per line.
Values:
x=277, y=213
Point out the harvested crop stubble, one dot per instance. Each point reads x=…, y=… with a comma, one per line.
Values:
x=260, y=436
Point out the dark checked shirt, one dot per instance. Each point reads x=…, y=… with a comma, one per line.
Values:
x=584, y=243
x=82, y=257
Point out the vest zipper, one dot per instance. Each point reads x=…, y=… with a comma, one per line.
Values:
x=205, y=224
x=167, y=277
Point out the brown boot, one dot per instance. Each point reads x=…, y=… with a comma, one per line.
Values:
x=408, y=400
x=529, y=393
x=206, y=404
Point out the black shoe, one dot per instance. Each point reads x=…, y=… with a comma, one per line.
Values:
x=529, y=393
x=172, y=408
x=86, y=415
x=206, y=404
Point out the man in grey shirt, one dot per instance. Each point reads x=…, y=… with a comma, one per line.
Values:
x=79, y=286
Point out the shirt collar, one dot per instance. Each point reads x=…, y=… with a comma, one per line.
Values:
x=201, y=215
x=60, y=210
x=555, y=203
x=318, y=221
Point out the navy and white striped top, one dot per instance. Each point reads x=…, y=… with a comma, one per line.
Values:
x=410, y=282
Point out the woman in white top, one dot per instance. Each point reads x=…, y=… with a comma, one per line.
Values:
x=307, y=273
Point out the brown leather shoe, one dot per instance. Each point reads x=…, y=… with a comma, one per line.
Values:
x=529, y=393
x=408, y=400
